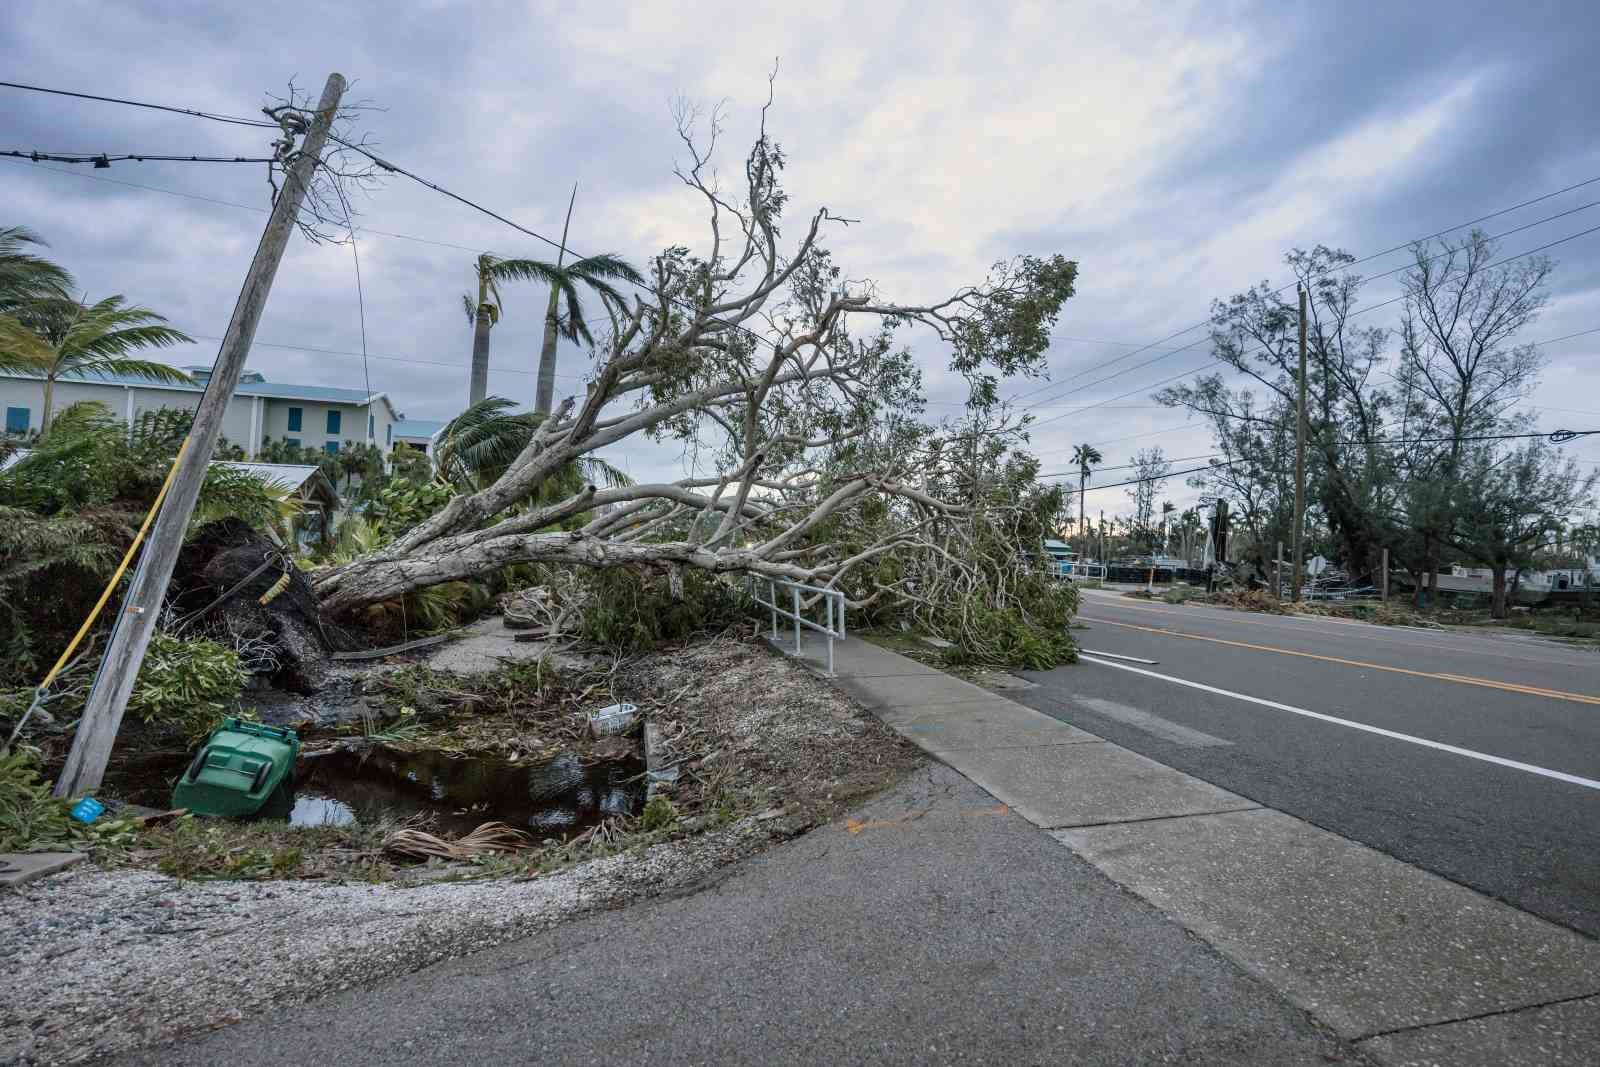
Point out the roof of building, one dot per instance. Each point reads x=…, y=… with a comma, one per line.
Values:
x=250, y=384
x=420, y=429
x=287, y=477
x=284, y=477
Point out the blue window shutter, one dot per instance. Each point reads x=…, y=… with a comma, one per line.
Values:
x=388, y=435
x=372, y=425
x=295, y=441
x=16, y=420
x=333, y=421
x=294, y=418
x=331, y=448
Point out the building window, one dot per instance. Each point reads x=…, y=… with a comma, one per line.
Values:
x=294, y=418
x=333, y=422
x=331, y=448
x=292, y=442
x=16, y=420
x=388, y=436
x=372, y=426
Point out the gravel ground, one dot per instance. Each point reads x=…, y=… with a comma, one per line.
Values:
x=104, y=961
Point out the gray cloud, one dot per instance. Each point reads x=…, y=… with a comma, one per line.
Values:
x=1175, y=152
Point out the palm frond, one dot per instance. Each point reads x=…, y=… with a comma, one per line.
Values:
x=525, y=270
x=481, y=441
x=22, y=350
x=23, y=275
x=598, y=470
x=104, y=366
x=471, y=309
x=605, y=265
x=573, y=327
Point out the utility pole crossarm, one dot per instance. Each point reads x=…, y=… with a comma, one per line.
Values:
x=141, y=608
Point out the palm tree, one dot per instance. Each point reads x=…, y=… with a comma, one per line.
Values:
x=1167, y=508
x=479, y=444
x=485, y=312
x=24, y=278
x=79, y=338
x=1085, y=456
x=592, y=271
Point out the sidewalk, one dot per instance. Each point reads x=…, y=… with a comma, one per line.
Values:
x=937, y=926
x=1409, y=966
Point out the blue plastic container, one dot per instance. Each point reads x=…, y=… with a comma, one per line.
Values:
x=88, y=810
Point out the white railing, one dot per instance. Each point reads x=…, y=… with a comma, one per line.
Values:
x=830, y=600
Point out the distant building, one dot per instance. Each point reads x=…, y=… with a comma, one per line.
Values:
x=312, y=416
x=419, y=434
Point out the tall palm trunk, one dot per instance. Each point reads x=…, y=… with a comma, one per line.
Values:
x=1083, y=516
x=480, y=358
x=49, y=404
x=546, y=393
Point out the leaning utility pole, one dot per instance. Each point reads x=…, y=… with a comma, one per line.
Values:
x=1300, y=459
x=136, y=620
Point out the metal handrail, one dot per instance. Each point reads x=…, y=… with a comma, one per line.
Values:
x=833, y=601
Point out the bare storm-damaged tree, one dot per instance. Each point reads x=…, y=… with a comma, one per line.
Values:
x=764, y=356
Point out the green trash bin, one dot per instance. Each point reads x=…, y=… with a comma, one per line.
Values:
x=238, y=769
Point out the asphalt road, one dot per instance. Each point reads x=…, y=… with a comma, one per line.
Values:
x=1528, y=834
x=942, y=930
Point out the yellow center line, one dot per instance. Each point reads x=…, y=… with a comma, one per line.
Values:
x=1308, y=624
x=1464, y=679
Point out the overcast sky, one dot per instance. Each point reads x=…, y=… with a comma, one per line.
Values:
x=1174, y=150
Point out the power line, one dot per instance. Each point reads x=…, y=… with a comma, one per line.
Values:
x=1359, y=311
x=251, y=207
x=1366, y=259
x=1353, y=314
x=213, y=116
x=394, y=168
x=102, y=161
x=387, y=165
x=158, y=189
x=388, y=359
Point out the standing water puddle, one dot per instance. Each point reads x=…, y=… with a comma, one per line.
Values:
x=550, y=798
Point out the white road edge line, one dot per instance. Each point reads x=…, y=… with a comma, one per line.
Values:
x=1545, y=772
x=1114, y=655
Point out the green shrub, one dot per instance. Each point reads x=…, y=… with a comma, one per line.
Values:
x=30, y=818
x=632, y=611
x=659, y=814
x=188, y=684
x=1006, y=637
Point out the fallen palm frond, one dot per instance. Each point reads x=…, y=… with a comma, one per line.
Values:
x=489, y=839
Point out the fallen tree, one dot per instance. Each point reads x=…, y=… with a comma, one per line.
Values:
x=786, y=375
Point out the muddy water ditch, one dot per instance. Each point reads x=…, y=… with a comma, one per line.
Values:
x=547, y=798
x=554, y=797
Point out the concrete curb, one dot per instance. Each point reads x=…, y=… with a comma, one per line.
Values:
x=1409, y=966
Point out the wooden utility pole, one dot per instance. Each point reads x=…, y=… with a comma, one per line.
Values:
x=1300, y=459
x=1385, y=586
x=136, y=620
